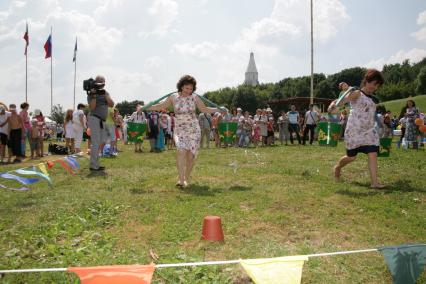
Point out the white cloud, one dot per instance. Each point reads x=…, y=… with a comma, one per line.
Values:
x=421, y=34
x=203, y=50
x=421, y=19
x=414, y=55
x=163, y=14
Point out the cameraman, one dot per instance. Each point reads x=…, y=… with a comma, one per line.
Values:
x=99, y=101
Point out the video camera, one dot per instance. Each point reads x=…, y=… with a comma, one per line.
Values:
x=92, y=87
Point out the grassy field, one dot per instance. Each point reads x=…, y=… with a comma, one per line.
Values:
x=274, y=201
x=395, y=106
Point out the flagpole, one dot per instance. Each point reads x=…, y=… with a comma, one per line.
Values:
x=311, y=101
x=26, y=76
x=51, y=72
x=75, y=69
x=26, y=64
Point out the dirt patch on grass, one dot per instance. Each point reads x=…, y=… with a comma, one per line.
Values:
x=131, y=230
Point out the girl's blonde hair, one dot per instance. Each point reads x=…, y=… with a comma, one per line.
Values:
x=68, y=115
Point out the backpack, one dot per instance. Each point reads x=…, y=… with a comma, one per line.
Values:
x=57, y=149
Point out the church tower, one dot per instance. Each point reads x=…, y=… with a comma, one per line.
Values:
x=251, y=73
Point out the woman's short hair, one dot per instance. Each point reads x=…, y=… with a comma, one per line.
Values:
x=81, y=106
x=186, y=80
x=373, y=75
x=24, y=105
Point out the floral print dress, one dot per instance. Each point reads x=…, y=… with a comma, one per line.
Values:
x=360, y=128
x=187, y=133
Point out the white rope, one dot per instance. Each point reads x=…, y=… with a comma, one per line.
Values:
x=204, y=263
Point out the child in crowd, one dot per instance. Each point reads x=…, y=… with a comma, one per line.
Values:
x=34, y=140
x=270, y=127
x=68, y=129
x=386, y=127
x=15, y=136
x=4, y=132
x=283, y=128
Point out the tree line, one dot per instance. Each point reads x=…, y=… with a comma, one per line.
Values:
x=402, y=80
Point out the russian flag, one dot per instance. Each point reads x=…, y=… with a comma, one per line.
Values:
x=48, y=47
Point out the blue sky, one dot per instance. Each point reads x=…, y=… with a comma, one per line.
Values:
x=144, y=46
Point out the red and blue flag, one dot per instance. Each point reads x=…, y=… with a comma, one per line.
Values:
x=48, y=47
x=27, y=40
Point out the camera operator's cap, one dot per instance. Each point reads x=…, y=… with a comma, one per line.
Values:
x=37, y=112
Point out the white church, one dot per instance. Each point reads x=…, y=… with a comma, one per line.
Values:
x=251, y=73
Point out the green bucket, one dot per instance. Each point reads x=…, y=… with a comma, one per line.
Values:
x=135, y=131
x=385, y=145
x=328, y=133
x=228, y=131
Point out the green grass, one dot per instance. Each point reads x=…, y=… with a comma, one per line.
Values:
x=395, y=106
x=276, y=201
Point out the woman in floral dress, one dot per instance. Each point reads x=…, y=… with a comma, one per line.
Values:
x=187, y=134
x=361, y=135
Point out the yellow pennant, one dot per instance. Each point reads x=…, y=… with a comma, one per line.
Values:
x=279, y=270
x=42, y=168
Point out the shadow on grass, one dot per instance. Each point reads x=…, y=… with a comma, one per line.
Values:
x=402, y=185
x=202, y=190
x=93, y=174
x=239, y=188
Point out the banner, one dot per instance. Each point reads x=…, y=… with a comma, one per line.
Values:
x=328, y=133
x=279, y=270
x=405, y=263
x=135, y=131
x=116, y=274
x=228, y=131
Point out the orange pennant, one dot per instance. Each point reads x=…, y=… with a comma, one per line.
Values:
x=50, y=164
x=115, y=274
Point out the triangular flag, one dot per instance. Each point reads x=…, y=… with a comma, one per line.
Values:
x=405, y=263
x=65, y=166
x=22, y=180
x=43, y=169
x=19, y=189
x=50, y=164
x=72, y=162
x=33, y=172
x=279, y=270
x=116, y=274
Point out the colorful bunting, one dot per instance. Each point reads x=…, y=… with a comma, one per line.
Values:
x=285, y=270
x=405, y=263
x=117, y=274
x=72, y=162
x=42, y=168
x=65, y=166
x=20, y=189
x=50, y=164
x=33, y=172
x=24, y=181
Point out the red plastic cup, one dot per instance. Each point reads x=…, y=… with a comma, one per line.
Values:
x=212, y=229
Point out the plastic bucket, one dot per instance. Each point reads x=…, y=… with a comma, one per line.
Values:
x=328, y=133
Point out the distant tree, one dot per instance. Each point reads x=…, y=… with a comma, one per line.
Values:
x=421, y=81
x=127, y=108
x=57, y=114
x=324, y=89
x=245, y=98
